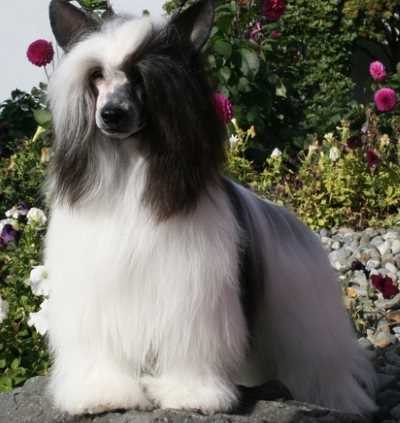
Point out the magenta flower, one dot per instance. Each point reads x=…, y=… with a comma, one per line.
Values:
x=385, y=285
x=372, y=158
x=273, y=9
x=40, y=53
x=255, y=31
x=224, y=107
x=377, y=71
x=385, y=99
x=276, y=34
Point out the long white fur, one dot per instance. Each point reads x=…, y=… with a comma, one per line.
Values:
x=142, y=311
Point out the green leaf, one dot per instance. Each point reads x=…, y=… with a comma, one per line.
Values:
x=15, y=364
x=250, y=61
x=225, y=72
x=42, y=117
x=223, y=48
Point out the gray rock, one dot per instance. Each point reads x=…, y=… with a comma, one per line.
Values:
x=395, y=412
x=395, y=246
x=30, y=405
x=385, y=247
x=376, y=241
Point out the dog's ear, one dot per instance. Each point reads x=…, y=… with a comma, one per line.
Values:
x=69, y=22
x=195, y=23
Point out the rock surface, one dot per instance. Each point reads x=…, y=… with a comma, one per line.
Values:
x=29, y=404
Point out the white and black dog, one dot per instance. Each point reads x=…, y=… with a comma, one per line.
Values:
x=171, y=284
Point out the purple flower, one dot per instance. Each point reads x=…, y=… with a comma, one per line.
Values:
x=273, y=9
x=354, y=142
x=8, y=234
x=224, y=107
x=372, y=158
x=377, y=71
x=385, y=99
x=357, y=265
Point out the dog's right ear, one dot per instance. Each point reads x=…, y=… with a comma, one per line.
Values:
x=69, y=22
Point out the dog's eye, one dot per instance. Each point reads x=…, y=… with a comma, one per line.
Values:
x=96, y=75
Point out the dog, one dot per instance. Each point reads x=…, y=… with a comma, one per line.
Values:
x=172, y=284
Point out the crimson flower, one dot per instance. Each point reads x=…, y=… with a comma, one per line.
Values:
x=255, y=31
x=224, y=107
x=372, y=158
x=273, y=9
x=40, y=53
x=276, y=34
x=385, y=99
x=385, y=285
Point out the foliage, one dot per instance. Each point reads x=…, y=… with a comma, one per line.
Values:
x=23, y=352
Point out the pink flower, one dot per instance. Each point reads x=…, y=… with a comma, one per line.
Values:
x=273, y=9
x=377, y=71
x=40, y=53
x=385, y=285
x=276, y=34
x=255, y=31
x=385, y=99
x=372, y=158
x=224, y=107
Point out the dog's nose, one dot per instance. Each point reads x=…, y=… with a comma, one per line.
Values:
x=112, y=115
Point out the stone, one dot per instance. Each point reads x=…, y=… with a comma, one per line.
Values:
x=385, y=247
x=376, y=241
x=387, y=304
x=395, y=246
x=391, y=235
x=381, y=337
x=335, y=245
x=30, y=405
x=372, y=264
x=395, y=412
x=359, y=278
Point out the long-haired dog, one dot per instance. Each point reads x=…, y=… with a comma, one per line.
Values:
x=171, y=284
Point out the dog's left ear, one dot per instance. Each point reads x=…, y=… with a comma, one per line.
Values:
x=69, y=22
x=195, y=23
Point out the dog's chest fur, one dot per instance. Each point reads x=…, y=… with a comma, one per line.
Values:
x=146, y=284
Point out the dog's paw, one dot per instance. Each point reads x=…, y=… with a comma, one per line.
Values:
x=98, y=394
x=204, y=396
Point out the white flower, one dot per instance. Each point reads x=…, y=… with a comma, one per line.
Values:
x=40, y=319
x=38, y=281
x=334, y=154
x=36, y=217
x=276, y=153
x=3, y=309
x=329, y=137
x=16, y=212
x=233, y=139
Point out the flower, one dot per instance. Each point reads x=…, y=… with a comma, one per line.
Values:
x=276, y=153
x=251, y=132
x=377, y=71
x=385, y=285
x=38, y=281
x=40, y=53
x=273, y=9
x=36, y=217
x=20, y=210
x=334, y=154
x=224, y=107
x=8, y=234
x=372, y=158
x=234, y=139
x=354, y=142
x=255, y=31
x=3, y=309
x=40, y=319
x=276, y=34
x=357, y=265
x=385, y=99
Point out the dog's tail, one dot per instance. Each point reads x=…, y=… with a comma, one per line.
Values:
x=301, y=334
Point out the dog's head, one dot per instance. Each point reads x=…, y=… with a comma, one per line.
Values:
x=129, y=80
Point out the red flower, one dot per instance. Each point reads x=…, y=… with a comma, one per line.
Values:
x=273, y=9
x=40, y=53
x=372, y=158
x=224, y=107
x=385, y=285
x=276, y=34
x=377, y=71
x=385, y=99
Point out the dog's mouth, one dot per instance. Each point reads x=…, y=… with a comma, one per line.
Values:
x=123, y=134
